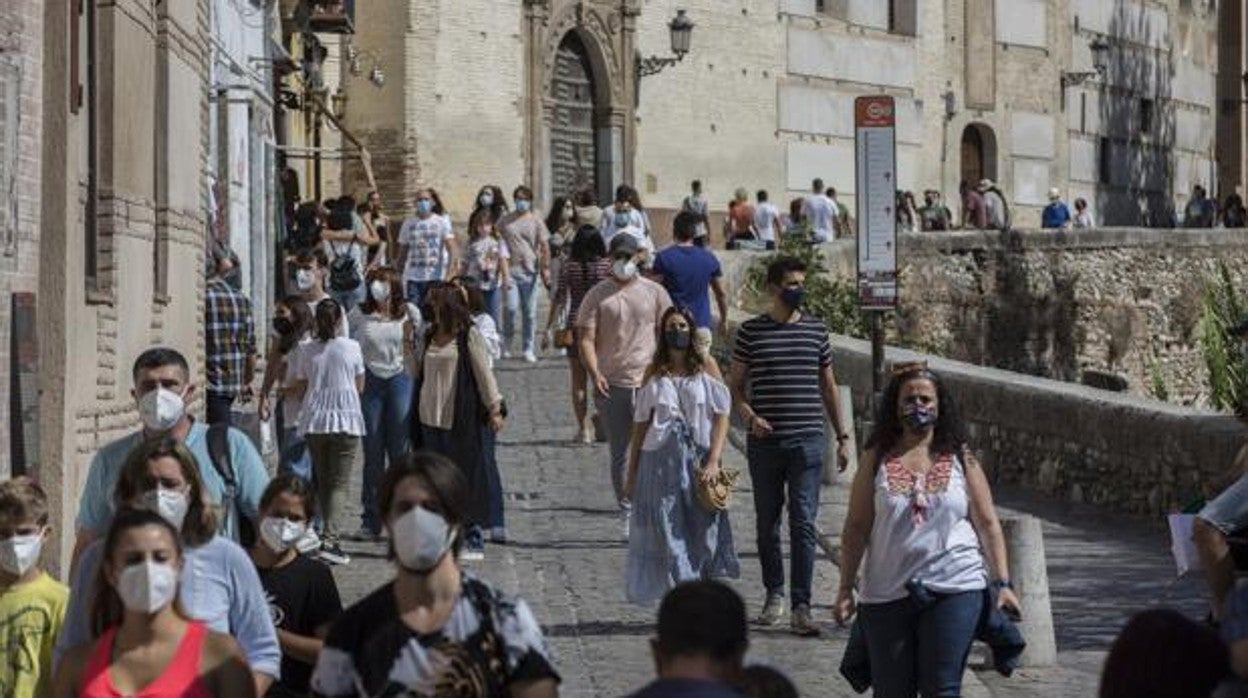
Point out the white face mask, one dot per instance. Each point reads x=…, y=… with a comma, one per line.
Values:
x=19, y=553
x=380, y=291
x=624, y=270
x=305, y=279
x=148, y=586
x=161, y=409
x=421, y=539
x=486, y=199
x=171, y=505
x=281, y=534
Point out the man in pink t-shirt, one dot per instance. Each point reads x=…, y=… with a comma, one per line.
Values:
x=618, y=326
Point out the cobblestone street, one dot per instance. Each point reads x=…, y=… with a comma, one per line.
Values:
x=567, y=556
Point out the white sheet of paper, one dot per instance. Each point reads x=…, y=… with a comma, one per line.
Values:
x=1186, y=559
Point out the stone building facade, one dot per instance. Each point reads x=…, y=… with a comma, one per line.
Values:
x=1232, y=97
x=546, y=91
x=122, y=214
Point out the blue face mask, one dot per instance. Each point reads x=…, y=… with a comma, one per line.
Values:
x=623, y=219
x=523, y=205
x=919, y=417
x=793, y=297
x=424, y=207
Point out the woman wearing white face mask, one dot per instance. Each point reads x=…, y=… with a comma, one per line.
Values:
x=144, y=642
x=385, y=327
x=219, y=584
x=441, y=626
x=302, y=593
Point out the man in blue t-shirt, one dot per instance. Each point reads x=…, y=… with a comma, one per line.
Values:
x=163, y=387
x=690, y=273
x=1057, y=213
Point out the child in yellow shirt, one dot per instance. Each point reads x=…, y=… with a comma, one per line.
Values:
x=32, y=604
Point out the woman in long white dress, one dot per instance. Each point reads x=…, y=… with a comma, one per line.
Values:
x=679, y=431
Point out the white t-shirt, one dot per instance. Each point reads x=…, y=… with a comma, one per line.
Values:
x=425, y=239
x=696, y=399
x=821, y=212
x=331, y=404
x=636, y=220
x=489, y=332
x=381, y=341
x=765, y=215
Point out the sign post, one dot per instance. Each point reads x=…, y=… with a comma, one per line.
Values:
x=875, y=147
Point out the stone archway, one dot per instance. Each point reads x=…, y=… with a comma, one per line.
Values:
x=979, y=153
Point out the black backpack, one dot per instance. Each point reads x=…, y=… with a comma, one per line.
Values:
x=344, y=275
x=219, y=454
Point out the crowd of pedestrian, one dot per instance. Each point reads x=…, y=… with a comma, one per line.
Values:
x=194, y=572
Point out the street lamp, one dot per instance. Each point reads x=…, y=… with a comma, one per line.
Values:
x=1100, y=63
x=681, y=29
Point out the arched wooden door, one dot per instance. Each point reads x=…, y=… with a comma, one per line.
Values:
x=979, y=154
x=572, y=156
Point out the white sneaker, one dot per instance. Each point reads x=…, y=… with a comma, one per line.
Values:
x=626, y=516
x=505, y=355
x=530, y=357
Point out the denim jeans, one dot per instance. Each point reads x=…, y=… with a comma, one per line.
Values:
x=494, y=304
x=416, y=291
x=293, y=448
x=521, y=298
x=616, y=413
x=795, y=462
x=349, y=299
x=387, y=403
x=921, y=650
x=439, y=441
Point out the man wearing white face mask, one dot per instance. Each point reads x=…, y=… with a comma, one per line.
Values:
x=26, y=591
x=308, y=269
x=162, y=388
x=303, y=598
x=487, y=642
x=618, y=325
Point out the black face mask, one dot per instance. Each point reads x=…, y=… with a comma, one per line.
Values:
x=678, y=339
x=283, y=325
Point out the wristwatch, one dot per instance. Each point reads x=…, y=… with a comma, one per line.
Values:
x=842, y=438
x=999, y=584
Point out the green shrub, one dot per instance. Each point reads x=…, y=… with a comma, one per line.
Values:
x=1223, y=309
x=830, y=299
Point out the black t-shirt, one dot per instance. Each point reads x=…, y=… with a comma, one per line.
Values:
x=489, y=642
x=302, y=597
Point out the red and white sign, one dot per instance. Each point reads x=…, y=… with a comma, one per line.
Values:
x=875, y=141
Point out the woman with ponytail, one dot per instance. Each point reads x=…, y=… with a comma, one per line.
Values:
x=328, y=373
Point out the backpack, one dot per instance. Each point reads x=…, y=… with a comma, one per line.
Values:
x=344, y=275
x=219, y=454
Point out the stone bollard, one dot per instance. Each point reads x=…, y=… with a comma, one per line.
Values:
x=830, y=474
x=1024, y=546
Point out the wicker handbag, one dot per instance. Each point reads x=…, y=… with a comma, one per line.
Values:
x=565, y=338
x=717, y=494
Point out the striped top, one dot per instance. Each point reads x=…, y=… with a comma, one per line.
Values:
x=782, y=365
x=575, y=280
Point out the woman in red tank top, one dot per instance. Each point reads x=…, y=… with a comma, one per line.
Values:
x=145, y=647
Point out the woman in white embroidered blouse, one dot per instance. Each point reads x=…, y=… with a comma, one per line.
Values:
x=329, y=374
x=921, y=513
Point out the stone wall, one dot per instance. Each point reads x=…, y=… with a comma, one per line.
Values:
x=1061, y=304
x=1069, y=441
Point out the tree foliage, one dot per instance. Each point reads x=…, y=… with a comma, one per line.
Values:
x=828, y=298
x=1228, y=372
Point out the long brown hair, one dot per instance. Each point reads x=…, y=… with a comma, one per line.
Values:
x=450, y=311
x=328, y=317
x=200, y=524
x=661, y=365
x=395, y=302
x=300, y=320
x=107, y=608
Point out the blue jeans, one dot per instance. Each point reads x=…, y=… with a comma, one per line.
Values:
x=921, y=650
x=386, y=402
x=293, y=448
x=349, y=299
x=522, y=298
x=439, y=441
x=416, y=291
x=795, y=462
x=494, y=304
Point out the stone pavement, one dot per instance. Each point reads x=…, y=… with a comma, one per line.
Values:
x=567, y=556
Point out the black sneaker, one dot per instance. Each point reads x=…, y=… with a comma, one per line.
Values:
x=332, y=553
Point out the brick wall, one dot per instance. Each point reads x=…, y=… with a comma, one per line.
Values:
x=21, y=48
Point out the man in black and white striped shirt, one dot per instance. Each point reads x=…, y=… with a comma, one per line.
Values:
x=783, y=384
